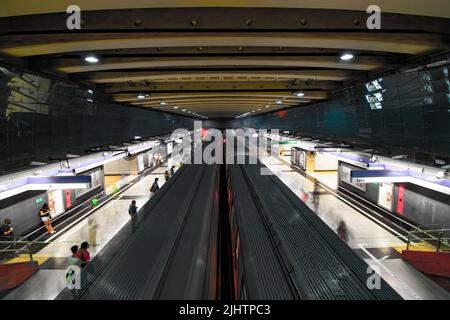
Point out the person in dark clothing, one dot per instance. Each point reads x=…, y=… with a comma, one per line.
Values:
x=154, y=187
x=342, y=231
x=166, y=175
x=7, y=234
x=132, y=211
x=172, y=170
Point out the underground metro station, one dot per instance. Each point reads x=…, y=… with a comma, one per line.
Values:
x=225, y=151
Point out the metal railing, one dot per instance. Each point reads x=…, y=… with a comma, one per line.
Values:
x=10, y=247
x=436, y=238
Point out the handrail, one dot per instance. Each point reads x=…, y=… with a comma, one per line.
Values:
x=429, y=231
x=26, y=244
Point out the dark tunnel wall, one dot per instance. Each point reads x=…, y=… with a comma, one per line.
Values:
x=414, y=114
x=42, y=119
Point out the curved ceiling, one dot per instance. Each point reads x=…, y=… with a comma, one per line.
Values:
x=433, y=8
x=217, y=58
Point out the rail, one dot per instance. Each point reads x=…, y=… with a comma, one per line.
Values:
x=440, y=242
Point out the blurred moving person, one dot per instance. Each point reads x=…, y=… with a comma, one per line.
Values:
x=342, y=231
x=92, y=227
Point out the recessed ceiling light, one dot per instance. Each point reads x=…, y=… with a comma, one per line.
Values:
x=267, y=106
x=279, y=102
x=347, y=56
x=140, y=96
x=91, y=59
x=259, y=109
x=162, y=103
x=184, y=110
x=300, y=94
x=175, y=107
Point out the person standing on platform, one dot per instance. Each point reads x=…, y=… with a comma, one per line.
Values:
x=166, y=175
x=132, y=211
x=46, y=218
x=7, y=234
x=155, y=187
x=172, y=170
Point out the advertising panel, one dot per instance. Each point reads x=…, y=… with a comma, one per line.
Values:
x=298, y=158
x=385, y=195
x=55, y=202
x=400, y=199
x=151, y=159
x=140, y=163
x=68, y=198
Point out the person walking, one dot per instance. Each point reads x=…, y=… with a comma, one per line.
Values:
x=132, y=211
x=166, y=175
x=172, y=170
x=155, y=187
x=44, y=213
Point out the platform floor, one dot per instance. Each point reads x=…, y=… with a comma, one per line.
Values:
x=378, y=245
x=99, y=228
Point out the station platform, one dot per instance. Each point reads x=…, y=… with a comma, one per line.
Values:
x=374, y=242
x=98, y=227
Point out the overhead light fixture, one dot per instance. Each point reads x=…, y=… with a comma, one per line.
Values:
x=184, y=110
x=259, y=109
x=175, y=107
x=91, y=59
x=267, y=106
x=162, y=103
x=90, y=91
x=279, y=102
x=140, y=96
x=347, y=56
x=300, y=94
x=90, y=100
